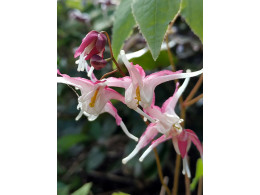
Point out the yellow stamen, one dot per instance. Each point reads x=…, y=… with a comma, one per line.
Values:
x=176, y=127
x=138, y=97
x=93, y=99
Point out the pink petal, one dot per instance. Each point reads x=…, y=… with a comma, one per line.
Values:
x=148, y=135
x=91, y=53
x=151, y=82
x=101, y=54
x=153, y=111
x=146, y=138
x=161, y=139
x=169, y=104
x=140, y=70
x=101, y=42
x=162, y=73
x=123, y=82
x=183, y=143
x=113, y=111
x=135, y=75
x=154, y=144
x=97, y=62
x=112, y=94
x=91, y=36
x=78, y=82
x=194, y=138
x=153, y=101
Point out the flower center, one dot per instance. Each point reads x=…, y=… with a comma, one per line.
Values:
x=138, y=97
x=177, y=125
x=93, y=99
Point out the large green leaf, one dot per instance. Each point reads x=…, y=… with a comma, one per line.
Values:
x=84, y=190
x=147, y=62
x=123, y=25
x=153, y=18
x=198, y=174
x=192, y=12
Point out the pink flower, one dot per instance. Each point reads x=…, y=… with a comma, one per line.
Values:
x=139, y=88
x=92, y=44
x=182, y=143
x=168, y=123
x=95, y=99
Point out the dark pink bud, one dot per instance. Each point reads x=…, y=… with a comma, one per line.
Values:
x=90, y=38
x=97, y=62
x=93, y=44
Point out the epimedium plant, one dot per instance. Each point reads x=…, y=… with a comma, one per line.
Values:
x=154, y=20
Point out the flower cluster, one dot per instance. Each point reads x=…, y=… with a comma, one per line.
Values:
x=139, y=93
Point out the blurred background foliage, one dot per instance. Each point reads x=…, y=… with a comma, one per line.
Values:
x=90, y=153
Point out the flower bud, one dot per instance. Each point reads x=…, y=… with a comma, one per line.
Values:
x=92, y=44
x=97, y=62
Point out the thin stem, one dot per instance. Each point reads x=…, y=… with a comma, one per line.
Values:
x=187, y=185
x=108, y=59
x=176, y=175
x=170, y=53
x=159, y=168
x=195, y=89
x=118, y=67
x=109, y=42
x=193, y=101
x=174, y=19
x=165, y=180
x=112, y=55
x=167, y=42
x=108, y=73
x=200, y=186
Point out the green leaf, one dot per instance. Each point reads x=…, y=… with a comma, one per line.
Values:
x=120, y=193
x=75, y=4
x=67, y=141
x=123, y=25
x=192, y=12
x=84, y=190
x=198, y=174
x=148, y=63
x=153, y=17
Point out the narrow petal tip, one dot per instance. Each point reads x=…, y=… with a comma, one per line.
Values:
x=122, y=52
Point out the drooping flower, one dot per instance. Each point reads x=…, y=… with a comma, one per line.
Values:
x=92, y=44
x=97, y=62
x=168, y=124
x=95, y=99
x=139, y=88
